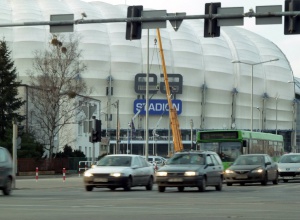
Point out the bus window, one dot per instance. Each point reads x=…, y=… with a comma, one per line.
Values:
x=229, y=151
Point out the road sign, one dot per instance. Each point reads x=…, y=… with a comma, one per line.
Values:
x=268, y=20
x=154, y=24
x=176, y=23
x=61, y=27
x=231, y=21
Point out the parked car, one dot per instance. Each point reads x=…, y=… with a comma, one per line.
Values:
x=289, y=167
x=6, y=171
x=119, y=171
x=156, y=161
x=252, y=168
x=191, y=169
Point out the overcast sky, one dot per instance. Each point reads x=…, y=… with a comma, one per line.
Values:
x=289, y=44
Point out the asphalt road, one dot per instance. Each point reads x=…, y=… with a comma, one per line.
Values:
x=52, y=199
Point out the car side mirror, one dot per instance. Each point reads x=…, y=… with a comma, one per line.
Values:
x=135, y=167
x=268, y=163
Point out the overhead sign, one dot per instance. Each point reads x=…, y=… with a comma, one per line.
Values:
x=176, y=23
x=62, y=27
x=268, y=20
x=156, y=106
x=154, y=24
x=231, y=21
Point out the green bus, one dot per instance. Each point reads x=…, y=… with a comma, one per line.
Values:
x=229, y=144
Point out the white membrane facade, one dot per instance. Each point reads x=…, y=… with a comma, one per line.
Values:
x=216, y=93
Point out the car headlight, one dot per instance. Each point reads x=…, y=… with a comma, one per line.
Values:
x=87, y=174
x=259, y=170
x=228, y=171
x=191, y=173
x=116, y=174
x=161, y=173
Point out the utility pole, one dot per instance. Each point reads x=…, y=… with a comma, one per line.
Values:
x=14, y=142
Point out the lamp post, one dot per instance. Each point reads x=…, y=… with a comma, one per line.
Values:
x=192, y=125
x=259, y=123
x=252, y=65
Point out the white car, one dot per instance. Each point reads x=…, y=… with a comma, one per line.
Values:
x=119, y=171
x=289, y=167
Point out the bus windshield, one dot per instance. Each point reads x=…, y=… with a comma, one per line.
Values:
x=228, y=151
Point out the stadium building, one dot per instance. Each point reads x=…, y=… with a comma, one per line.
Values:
x=209, y=90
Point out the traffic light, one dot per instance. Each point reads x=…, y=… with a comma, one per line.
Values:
x=211, y=28
x=134, y=29
x=20, y=130
x=291, y=23
x=96, y=133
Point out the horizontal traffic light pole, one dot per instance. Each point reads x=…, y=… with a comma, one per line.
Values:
x=163, y=18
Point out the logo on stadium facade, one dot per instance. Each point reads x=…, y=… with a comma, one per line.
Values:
x=156, y=106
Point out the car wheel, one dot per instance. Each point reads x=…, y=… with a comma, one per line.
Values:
x=7, y=187
x=285, y=181
x=89, y=188
x=229, y=184
x=220, y=185
x=265, y=179
x=202, y=185
x=161, y=188
x=180, y=188
x=112, y=188
x=128, y=184
x=275, y=182
x=149, y=186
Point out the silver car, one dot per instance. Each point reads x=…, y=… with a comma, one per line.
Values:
x=119, y=171
x=6, y=173
x=289, y=167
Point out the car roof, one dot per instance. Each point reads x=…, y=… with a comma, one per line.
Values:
x=122, y=155
x=245, y=155
x=196, y=152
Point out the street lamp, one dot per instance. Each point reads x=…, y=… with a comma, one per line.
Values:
x=259, y=123
x=192, y=125
x=252, y=64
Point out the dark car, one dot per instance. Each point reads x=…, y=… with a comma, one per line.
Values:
x=6, y=172
x=119, y=171
x=252, y=168
x=191, y=169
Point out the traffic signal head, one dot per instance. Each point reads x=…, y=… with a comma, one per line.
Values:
x=134, y=29
x=211, y=28
x=21, y=130
x=95, y=136
x=291, y=23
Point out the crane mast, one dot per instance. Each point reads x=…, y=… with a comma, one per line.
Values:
x=177, y=140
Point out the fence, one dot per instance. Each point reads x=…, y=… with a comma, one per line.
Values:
x=55, y=164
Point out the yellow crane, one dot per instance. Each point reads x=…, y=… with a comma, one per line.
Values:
x=177, y=140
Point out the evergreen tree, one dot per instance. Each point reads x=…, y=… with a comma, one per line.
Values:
x=9, y=102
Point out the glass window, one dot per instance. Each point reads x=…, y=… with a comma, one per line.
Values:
x=2, y=156
x=215, y=160
x=143, y=162
x=208, y=160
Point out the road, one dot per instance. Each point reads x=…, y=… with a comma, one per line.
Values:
x=52, y=199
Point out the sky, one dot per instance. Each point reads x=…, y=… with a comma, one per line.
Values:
x=289, y=44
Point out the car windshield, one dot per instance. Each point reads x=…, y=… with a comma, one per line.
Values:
x=249, y=160
x=124, y=161
x=187, y=159
x=289, y=159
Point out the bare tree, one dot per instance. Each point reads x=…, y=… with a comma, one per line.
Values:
x=54, y=83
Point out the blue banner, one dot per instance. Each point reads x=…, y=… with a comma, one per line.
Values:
x=156, y=106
